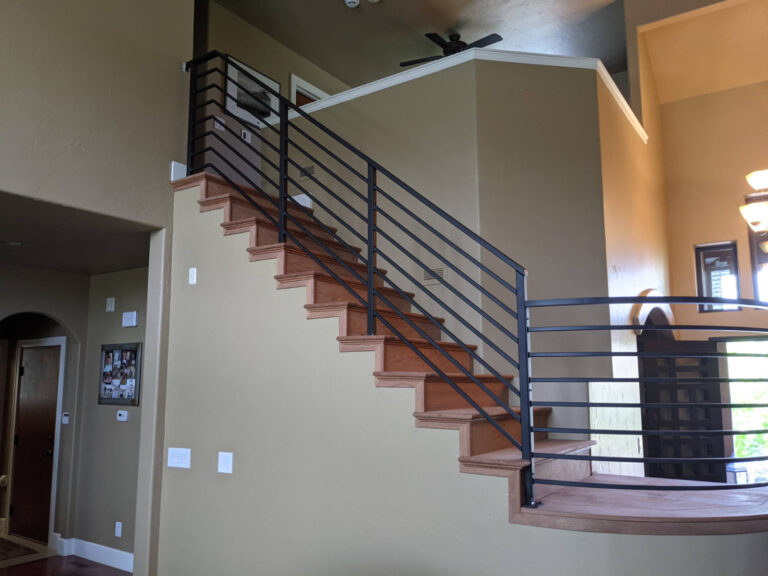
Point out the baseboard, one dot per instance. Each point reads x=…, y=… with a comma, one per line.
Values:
x=94, y=552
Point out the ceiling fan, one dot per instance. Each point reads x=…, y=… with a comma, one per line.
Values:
x=454, y=45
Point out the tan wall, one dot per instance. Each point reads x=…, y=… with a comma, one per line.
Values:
x=637, y=13
x=634, y=202
x=232, y=35
x=108, y=450
x=94, y=102
x=330, y=475
x=541, y=203
x=711, y=142
x=63, y=297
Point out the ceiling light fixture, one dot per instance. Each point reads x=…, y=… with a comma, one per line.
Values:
x=755, y=211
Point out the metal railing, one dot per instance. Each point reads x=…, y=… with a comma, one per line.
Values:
x=397, y=226
x=244, y=132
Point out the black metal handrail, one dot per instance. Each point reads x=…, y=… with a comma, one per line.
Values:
x=349, y=191
x=545, y=357
x=250, y=170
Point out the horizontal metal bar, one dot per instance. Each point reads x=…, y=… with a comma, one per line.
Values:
x=654, y=488
x=609, y=327
x=328, y=152
x=209, y=148
x=650, y=432
x=646, y=380
x=450, y=334
x=464, y=395
x=345, y=264
x=445, y=283
x=288, y=233
x=338, y=198
x=695, y=355
x=328, y=171
x=228, y=114
x=448, y=309
x=400, y=206
x=450, y=265
x=638, y=460
x=228, y=96
x=235, y=135
x=651, y=405
x=332, y=214
x=645, y=300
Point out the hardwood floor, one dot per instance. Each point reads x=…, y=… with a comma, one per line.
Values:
x=62, y=566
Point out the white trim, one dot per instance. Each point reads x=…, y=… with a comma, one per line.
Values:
x=61, y=342
x=298, y=84
x=94, y=552
x=488, y=56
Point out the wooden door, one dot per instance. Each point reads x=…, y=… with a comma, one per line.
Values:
x=698, y=387
x=34, y=438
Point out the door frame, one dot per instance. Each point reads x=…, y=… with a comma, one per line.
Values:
x=61, y=342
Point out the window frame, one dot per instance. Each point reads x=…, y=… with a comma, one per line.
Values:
x=699, y=250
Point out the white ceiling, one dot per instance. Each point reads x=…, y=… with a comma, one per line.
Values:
x=368, y=42
x=59, y=238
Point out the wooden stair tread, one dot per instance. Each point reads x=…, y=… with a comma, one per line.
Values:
x=273, y=248
x=470, y=414
x=512, y=457
x=242, y=224
x=382, y=338
x=360, y=307
x=435, y=376
x=309, y=275
x=650, y=511
x=304, y=219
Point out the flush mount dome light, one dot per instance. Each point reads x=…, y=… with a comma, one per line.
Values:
x=755, y=211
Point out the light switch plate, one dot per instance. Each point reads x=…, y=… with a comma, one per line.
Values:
x=225, y=462
x=110, y=304
x=118, y=529
x=130, y=319
x=179, y=457
x=122, y=415
x=65, y=417
x=192, y=276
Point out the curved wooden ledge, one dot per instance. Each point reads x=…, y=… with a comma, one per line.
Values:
x=649, y=511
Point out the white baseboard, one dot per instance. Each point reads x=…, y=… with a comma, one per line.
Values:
x=94, y=552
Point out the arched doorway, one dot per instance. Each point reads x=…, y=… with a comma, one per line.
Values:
x=678, y=377
x=32, y=363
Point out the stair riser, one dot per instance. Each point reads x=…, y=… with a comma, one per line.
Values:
x=214, y=189
x=399, y=357
x=325, y=291
x=236, y=211
x=482, y=436
x=294, y=262
x=358, y=324
x=265, y=234
x=439, y=395
x=556, y=469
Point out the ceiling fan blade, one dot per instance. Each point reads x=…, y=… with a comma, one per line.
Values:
x=487, y=41
x=437, y=39
x=420, y=61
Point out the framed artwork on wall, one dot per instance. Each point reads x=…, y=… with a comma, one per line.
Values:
x=249, y=100
x=120, y=374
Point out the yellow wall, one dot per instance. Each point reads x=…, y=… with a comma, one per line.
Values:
x=232, y=35
x=711, y=142
x=108, y=450
x=93, y=102
x=330, y=475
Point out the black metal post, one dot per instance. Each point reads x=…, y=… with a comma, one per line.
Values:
x=192, y=69
x=371, y=300
x=283, y=192
x=526, y=410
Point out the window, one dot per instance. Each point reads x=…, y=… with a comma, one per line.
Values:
x=717, y=274
x=759, y=248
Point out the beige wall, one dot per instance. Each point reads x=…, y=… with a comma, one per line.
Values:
x=330, y=475
x=711, y=142
x=64, y=298
x=108, y=450
x=232, y=35
x=637, y=13
x=634, y=203
x=93, y=102
x=541, y=202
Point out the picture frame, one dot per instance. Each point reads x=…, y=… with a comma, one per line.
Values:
x=120, y=376
x=248, y=100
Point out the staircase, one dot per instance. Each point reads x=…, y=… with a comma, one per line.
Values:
x=483, y=449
